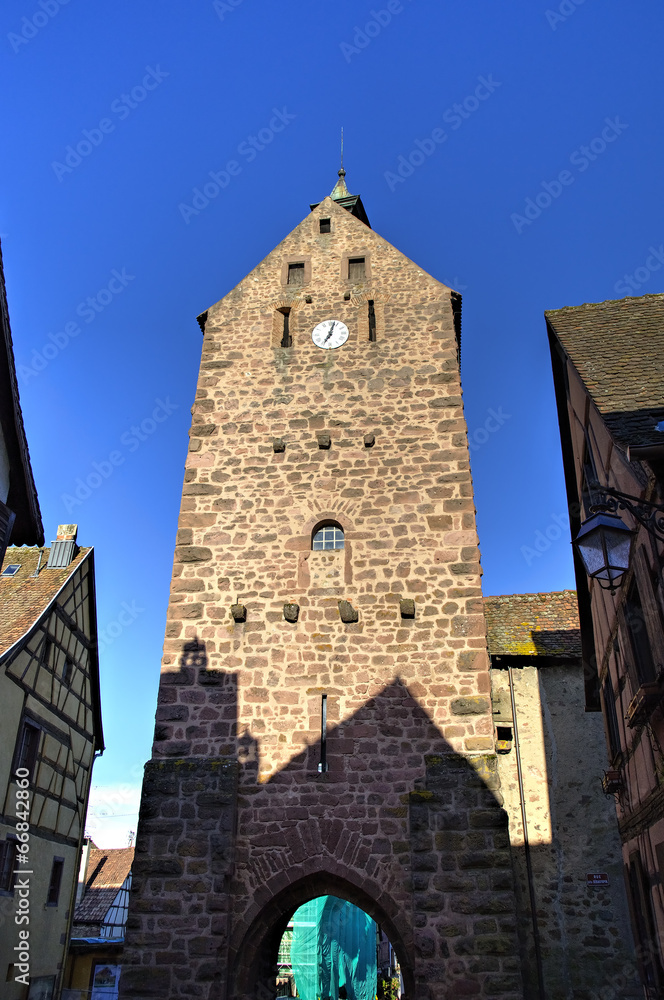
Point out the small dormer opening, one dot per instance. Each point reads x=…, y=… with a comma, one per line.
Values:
x=372, y=321
x=325, y=225
x=356, y=269
x=286, y=339
x=296, y=273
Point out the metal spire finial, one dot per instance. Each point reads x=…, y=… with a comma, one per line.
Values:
x=340, y=190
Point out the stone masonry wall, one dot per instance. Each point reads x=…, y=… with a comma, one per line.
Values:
x=587, y=950
x=394, y=473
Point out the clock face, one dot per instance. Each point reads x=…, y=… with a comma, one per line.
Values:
x=330, y=333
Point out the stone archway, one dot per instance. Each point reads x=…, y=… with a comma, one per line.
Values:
x=255, y=957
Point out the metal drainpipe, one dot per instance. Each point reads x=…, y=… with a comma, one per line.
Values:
x=526, y=845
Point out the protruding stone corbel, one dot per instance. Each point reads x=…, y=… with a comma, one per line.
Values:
x=347, y=612
x=407, y=608
x=291, y=612
x=324, y=441
x=470, y=705
x=369, y=440
x=278, y=445
x=239, y=612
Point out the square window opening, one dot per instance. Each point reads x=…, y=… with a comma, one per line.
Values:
x=296, y=274
x=325, y=225
x=356, y=269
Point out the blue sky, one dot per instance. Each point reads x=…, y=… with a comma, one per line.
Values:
x=541, y=188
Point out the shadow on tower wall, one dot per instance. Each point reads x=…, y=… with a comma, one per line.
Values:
x=399, y=825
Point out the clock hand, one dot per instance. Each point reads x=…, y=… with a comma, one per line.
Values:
x=334, y=323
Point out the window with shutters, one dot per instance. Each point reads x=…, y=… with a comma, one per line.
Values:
x=356, y=269
x=296, y=274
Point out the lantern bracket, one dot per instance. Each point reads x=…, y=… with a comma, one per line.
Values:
x=647, y=513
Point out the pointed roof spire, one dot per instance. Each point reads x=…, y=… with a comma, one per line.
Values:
x=340, y=190
x=340, y=193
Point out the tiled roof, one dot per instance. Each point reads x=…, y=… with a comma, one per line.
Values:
x=107, y=870
x=617, y=347
x=92, y=909
x=24, y=598
x=533, y=624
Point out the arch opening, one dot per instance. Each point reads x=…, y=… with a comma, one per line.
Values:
x=262, y=964
x=332, y=949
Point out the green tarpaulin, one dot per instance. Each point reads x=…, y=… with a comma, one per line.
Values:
x=334, y=945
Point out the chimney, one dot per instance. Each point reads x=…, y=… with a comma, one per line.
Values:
x=83, y=870
x=63, y=549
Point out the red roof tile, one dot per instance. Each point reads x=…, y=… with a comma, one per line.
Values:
x=24, y=598
x=107, y=871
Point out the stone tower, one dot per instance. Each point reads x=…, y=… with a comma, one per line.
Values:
x=324, y=722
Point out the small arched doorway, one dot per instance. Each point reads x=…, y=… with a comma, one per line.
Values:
x=256, y=960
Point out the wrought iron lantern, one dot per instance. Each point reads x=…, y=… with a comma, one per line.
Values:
x=604, y=542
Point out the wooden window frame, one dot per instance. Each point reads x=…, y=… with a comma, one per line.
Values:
x=31, y=761
x=55, y=881
x=611, y=716
x=296, y=260
x=345, y=265
x=638, y=635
